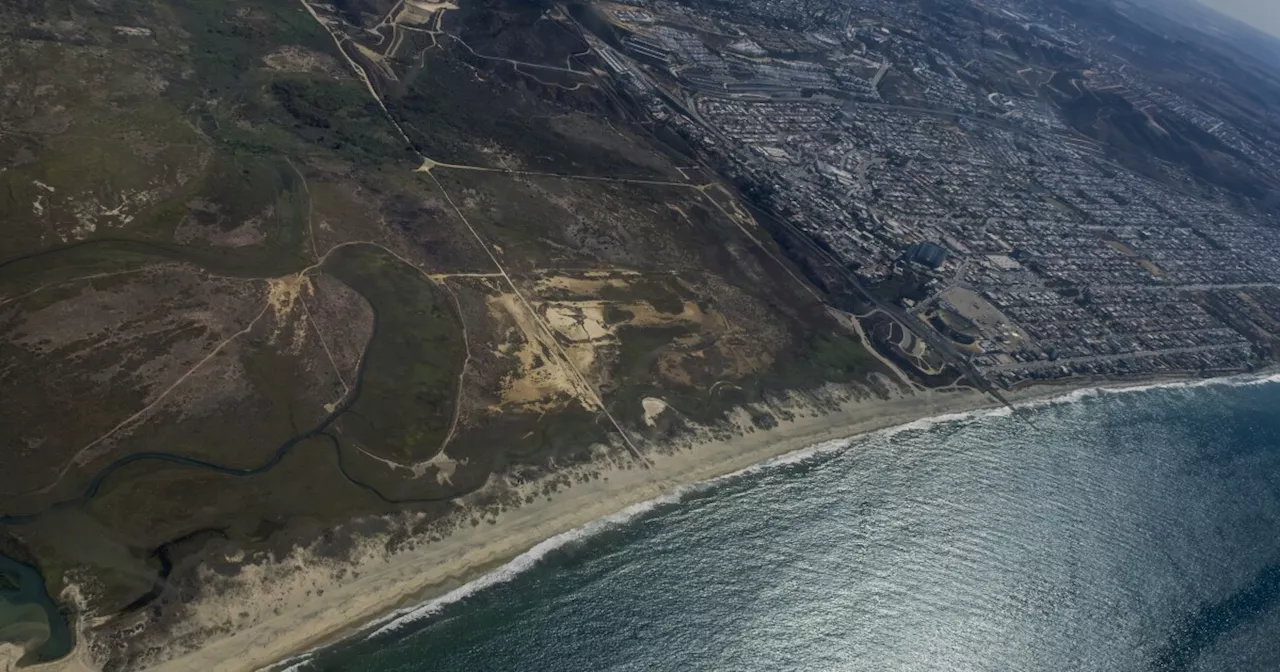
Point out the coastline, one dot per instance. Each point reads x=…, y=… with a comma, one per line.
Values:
x=10, y=654
x=300, y=603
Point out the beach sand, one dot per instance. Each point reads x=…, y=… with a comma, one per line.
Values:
x=386, y=582
x=9, y=656
x=282, y=607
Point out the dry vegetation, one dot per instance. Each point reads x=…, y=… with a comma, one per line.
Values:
x=232, y=315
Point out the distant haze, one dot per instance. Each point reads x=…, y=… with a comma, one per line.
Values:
x=1261, y=14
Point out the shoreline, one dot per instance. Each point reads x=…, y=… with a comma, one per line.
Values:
x=388, y=590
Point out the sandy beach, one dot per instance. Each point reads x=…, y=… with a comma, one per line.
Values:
x=283, y=607
x=275, y=610
x=9, y=655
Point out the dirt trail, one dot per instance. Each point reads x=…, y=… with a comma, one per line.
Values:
x=87, y=453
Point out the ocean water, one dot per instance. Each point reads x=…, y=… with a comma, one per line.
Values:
x=1106, y=531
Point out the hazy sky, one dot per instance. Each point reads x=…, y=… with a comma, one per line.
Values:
x=1261, y=14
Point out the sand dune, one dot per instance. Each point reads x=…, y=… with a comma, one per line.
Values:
x=281, y=607
x=277, y=609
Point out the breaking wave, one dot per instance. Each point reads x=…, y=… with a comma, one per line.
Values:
x=520, y=564
x=399, y=620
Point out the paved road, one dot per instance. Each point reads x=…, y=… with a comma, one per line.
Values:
x=527, y=64
x=1194, y=287
x=1039, y=366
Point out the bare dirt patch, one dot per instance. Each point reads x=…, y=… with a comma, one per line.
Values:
x=293, y=58
x=541, y=380
x=653, y=407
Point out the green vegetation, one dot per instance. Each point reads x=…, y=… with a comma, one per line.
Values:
x=613, y=313
x=236, y=189
x=241, y=186
x=660, y=292
x=338, y=115
x=1139, y=139
x=449, y=129
x=114, y=255
x=527, y=439
x=515, y=30
x=243, y=126
x=307, y=481
x=242, y=105
x=410, y=380
x=832, y=357
x=229, y=40
x=640, y=347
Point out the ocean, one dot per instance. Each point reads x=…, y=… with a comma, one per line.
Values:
x=1135, y=531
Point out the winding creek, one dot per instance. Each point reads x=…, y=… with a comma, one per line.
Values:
x=28, y=613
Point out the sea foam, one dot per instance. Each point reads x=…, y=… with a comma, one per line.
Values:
x=520, y=564
x=402, y=618
x=398, y=620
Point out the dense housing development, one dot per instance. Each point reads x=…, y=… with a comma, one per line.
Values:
x=312, y=308
x=1004, y=134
